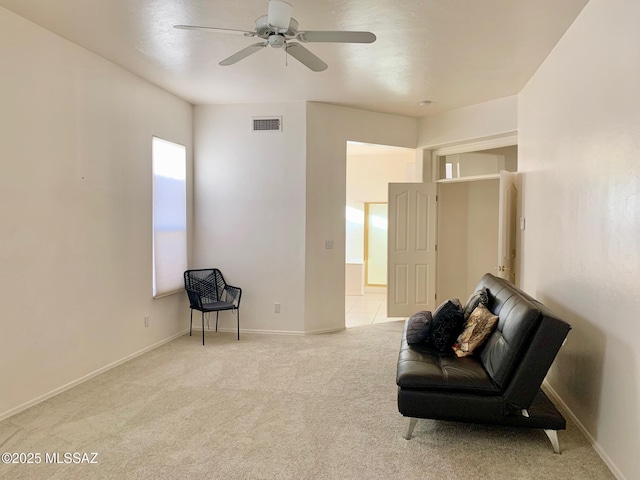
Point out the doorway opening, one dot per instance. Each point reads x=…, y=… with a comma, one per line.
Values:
x=370, y=169
x=469, y=214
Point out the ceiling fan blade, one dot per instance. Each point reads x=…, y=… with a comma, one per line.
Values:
x=337, y=37
x=279, y=14
x=305, y=57
x=215, y=29
x=244, y=53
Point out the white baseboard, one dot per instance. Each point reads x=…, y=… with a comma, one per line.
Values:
x=548, y=389
x=270, y=332
x=89, y=376
x=354, y=293
x=249, y=330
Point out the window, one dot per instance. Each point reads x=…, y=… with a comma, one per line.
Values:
x=169, y=216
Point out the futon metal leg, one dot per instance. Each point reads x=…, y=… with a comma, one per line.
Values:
x=191, y=323
x=217, y=321
x=238, y=313
x=202, y=328
x=412, y=425
x=553, y=437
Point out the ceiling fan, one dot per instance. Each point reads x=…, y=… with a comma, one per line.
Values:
x=278, y=28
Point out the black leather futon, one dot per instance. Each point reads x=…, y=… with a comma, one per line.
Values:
x=500, y=384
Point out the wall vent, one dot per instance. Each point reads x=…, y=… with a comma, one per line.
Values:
x=266, y=124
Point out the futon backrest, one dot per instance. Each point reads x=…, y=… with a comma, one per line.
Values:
x=524, y=344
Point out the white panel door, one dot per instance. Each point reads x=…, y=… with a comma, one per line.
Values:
x=507, y=225
x=411, y=275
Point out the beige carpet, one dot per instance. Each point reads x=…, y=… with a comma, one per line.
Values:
x=273, y=407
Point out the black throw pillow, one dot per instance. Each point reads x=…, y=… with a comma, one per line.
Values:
x=446, y=323
x=478, y=297
x=419, y=327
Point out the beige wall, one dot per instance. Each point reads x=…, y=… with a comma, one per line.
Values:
x=488, y=119
x=75, y=204
x=250, y=210
x=453, y=211
x=482, y=231
x=368, y=178
x=467, y=236
x=265, y=203
x=328, y=130
x=579, y=132
x=510, y=156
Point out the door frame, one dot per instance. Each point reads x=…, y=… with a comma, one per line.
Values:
x=508, y=139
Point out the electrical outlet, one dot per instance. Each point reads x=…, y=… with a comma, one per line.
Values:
x=146, y=320
x=276, y=308
x=328, y=244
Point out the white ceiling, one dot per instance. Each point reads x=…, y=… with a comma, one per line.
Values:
x=452, y=52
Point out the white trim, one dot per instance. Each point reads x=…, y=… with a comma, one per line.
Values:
x=548, y=389
x=95, y=373
x=250, y=330
x=496, y=141
x=162, y=295
x=490, y=176
x=271, y=332
x=375, y=289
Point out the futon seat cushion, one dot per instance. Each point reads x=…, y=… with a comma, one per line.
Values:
x=420, y=366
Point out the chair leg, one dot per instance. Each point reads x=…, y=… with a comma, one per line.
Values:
x=238, y=313
x=412, y=425
x=202, y=328
x=191, y=323
x=553, y=438
x=217, y=320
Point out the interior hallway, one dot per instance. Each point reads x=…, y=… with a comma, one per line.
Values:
x=367, y=309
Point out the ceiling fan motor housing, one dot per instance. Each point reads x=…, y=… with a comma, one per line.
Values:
x=264, y=30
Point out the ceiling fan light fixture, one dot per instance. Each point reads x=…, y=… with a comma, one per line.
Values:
x=276, y=41
x=279, y=14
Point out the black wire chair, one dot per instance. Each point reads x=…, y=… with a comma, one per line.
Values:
x=208, y=292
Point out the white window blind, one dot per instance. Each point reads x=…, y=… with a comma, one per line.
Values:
x=169, y=216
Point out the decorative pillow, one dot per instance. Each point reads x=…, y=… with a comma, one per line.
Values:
x=476, y=330
x=446, y=324
x=419, y=327
x=478, y=297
